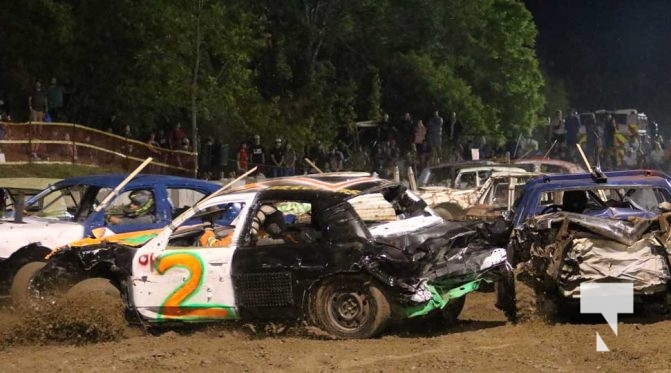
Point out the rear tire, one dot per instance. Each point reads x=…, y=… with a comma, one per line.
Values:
x=20, y=291
x=350, y=307
x=95, y=285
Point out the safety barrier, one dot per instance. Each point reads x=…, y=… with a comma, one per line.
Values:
x=69, y=143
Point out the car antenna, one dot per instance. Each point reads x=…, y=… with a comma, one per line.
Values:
x=596, y=173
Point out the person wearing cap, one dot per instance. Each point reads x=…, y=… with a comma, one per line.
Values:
x=277, y=158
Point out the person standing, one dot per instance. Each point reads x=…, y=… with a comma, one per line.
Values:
x=277, y=157
x=435, y=135
x=609, y=129
x=55, y=99
x=558, y=133
x=572, y=125
x=258, y=155
x=37, y=103
x=290, y=158
x=242, y=158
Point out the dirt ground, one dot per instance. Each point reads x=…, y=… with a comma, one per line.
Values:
x=482, y=341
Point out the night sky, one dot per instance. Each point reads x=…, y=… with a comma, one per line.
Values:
x=612, y=54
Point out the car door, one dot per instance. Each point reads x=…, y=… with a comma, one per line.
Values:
x=272, y=272
x=184, y=280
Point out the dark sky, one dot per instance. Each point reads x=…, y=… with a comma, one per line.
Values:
x=611, y=53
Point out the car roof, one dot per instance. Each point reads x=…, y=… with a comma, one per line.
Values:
x=465, y=164
x=112, y=180
x=495, y=168
x=552, y=162
x=614, y=178
x=340, y=183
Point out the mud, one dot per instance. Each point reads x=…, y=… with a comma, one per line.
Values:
x=481, y=341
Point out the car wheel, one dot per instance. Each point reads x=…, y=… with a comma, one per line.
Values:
x=350, y=307
x=20, y=290
x=90, y=286
x=451, y=311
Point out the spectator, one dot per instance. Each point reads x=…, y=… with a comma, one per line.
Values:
x=153, y=144
x=258, y=155
x=290, y=158
x=609, y=130
x=37, y=103
x=592, y=136
x=242, y=158
x=404, y=138
x=419, y=141
x=572, y=126
x=435, y=135
x=336, y=159
x=454, y=127
x=384, y=129
x=277, y=158
x=162, y=140
x=4, y=114
x=55, y=99
x=152, y=140
x=557, y=130
x=177, y=136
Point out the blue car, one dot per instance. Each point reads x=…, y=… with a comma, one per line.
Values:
x=591, y=228
x=71, y=209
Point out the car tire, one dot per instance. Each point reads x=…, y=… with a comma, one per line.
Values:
x=20, y=290
x=95, y=285
x=350, y=308
x=450, y=313
x=11, y=266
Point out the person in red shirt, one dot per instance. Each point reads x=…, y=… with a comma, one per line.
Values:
x=242, y=159
x=177, y=137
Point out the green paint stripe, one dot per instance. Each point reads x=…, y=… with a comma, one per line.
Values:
x=440, y=298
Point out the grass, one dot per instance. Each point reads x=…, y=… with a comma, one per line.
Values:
x=58, y=171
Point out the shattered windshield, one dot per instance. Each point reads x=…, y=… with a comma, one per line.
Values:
x=588, y=201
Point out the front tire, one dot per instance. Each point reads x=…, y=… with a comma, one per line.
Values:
x=350, y=307
x=452, y=309
x=20, y=290
x=95, y=285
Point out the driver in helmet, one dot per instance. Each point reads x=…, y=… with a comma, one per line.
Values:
x=138, y=211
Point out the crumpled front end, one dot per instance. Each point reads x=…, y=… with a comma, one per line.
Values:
x=440, y=263
x=565, y=250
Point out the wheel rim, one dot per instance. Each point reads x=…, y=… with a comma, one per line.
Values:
x=348, y=309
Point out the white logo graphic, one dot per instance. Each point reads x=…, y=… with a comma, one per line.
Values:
x=608, y=299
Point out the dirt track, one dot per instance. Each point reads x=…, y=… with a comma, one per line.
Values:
x=481, y=341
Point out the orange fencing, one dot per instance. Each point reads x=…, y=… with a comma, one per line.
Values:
x=63, y=143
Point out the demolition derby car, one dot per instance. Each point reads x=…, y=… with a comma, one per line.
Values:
x=73, y=208
x=571, y=229
x=347, y=253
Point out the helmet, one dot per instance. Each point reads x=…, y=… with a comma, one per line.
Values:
x=141, y=202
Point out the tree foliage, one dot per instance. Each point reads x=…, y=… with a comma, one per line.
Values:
x=299, y=69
